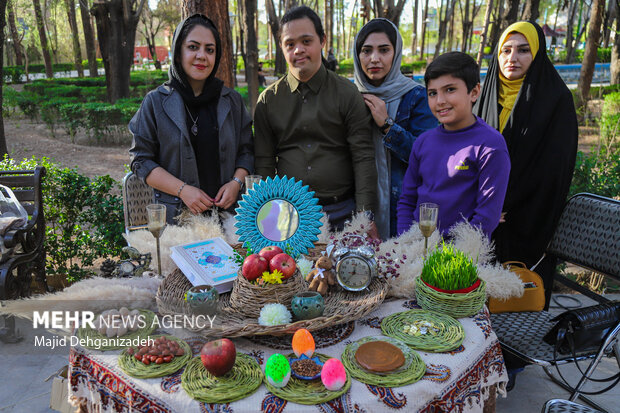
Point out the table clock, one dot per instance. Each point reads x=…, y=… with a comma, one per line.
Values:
x=355, y=267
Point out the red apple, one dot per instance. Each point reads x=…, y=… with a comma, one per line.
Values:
x=218, y=356
x=254, y=266
x=269, y=252
x=283, y=263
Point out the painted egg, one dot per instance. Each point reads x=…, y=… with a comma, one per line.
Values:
x=303, y=343
x=277, y=370
x=333, y=375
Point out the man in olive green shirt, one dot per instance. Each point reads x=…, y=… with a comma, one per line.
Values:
x=313, y=125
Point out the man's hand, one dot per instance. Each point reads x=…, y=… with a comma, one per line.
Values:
x=196, y=199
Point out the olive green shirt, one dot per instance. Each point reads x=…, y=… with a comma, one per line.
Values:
x=319, y=132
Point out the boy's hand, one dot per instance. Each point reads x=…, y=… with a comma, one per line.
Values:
x=502, y=218
x=373, y=232
x=377, y=107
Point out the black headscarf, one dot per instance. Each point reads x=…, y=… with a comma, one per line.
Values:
x=541, y=135
x=177, y=77
x=201, y=108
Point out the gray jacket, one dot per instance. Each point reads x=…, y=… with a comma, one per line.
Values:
x=160, y=138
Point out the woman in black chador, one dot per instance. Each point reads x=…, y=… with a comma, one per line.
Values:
x=525, y=99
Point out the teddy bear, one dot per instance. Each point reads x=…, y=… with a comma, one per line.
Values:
x=321, y=276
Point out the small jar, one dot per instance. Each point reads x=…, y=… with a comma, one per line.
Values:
x=202, y=299
x=307, y=305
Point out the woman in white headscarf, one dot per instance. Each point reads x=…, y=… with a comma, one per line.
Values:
x=399, y=109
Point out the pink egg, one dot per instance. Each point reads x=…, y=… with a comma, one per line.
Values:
x=333, y=375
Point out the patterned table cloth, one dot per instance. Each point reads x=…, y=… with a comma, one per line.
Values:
x=457, y=381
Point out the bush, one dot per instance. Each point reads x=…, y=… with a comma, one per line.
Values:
x=597, y=172
x=84, y=218
x=610, y=120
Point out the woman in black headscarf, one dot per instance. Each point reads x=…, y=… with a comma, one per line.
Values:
x=192, y=136
x=526, y=100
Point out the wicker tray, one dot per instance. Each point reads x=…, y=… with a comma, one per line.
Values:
x=340, y=307
x=243, y=380
x=450, y=334
x=412, y=371
x=135, y=368
x=308, y=391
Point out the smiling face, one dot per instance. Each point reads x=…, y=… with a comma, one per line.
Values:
x=515, y=57
x=302, y=48
x=450, y=102
x=376, y=57
x=198, y=56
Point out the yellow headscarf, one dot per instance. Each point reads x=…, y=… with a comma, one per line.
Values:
x=509, y=89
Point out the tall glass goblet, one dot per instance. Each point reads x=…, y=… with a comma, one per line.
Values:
x=156, y=224
x=428, y=221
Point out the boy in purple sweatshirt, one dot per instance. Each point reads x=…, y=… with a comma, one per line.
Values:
x=463, y=164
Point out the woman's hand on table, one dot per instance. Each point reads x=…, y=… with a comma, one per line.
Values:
x=377, y=107
x=227, y=195
x=196, y=199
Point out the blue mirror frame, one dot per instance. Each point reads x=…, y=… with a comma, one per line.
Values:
x=289, y=190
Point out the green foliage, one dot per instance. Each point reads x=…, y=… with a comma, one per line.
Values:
x=84, y=218
x=449, y=269
x=603, y=55
x=610, y=119
x=99, y=63
x=597, y=172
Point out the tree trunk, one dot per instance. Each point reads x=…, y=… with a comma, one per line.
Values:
x=615, y=55
x=511, y=15
x=531, y=10
x=569, y=31
x=328, y=21
x=443, y=26
x=485, y=28
x=589, y=57
x=610, y=15
x=464, y=24
x=251, y=67
x=424, y=24
x=43, y=37
x=89, y=39
x=241, y=43
x=218, y=11
x=16, y=41
x=117, y=21
x=414, y=37
x=274, y=24
x=3, y=148
x=77, y=53
x=496, y=25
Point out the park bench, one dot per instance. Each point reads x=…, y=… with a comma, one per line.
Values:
x=587, y=235
x=23, y=255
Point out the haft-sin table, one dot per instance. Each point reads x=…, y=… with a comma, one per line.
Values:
x=458, y=381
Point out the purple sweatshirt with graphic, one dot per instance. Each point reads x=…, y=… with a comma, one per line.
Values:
x=465, y=172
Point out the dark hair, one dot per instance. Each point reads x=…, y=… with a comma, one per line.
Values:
x=375, y=26
x=188, y=25
x=457, y=64
x=300, y=12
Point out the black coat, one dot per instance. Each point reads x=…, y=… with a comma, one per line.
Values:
x=541, y=135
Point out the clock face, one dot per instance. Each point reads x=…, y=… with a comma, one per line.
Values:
x=353, y=273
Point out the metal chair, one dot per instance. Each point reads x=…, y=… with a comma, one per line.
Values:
x=136, y=196
x=23, y=258
x=566, y=406
x=587, y=235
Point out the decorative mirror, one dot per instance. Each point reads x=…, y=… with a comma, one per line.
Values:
x=279, y=211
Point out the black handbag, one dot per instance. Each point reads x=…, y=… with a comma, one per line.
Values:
x=584, y=329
